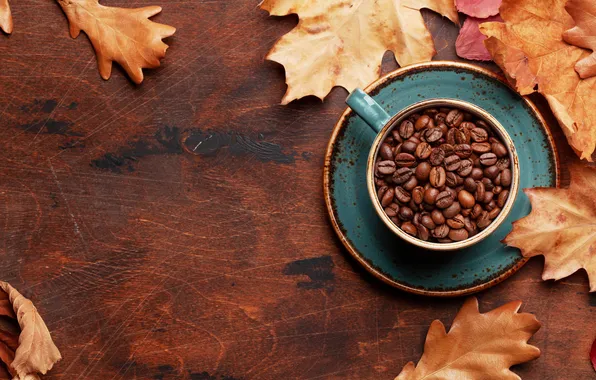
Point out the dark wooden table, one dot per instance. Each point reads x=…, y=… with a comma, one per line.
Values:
x=149, y=262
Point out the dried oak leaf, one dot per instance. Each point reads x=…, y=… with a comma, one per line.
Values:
x=583, y=34
x=35, y=351
x=561, y=226
x=5, y=17
x=478, y=346
x=126, y=36
x=470, y=42
x=478, y=8
x=531, y=52
x=341, y=43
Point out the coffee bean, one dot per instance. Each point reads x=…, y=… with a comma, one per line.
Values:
x=386, y=151
x=452, y=210
x=506, y=178
x=380, y=182
x=503, y=163
x=406, y=129
x=488, y=184
x=444, y=128
x=451, y=179
x=476, y=174
x=430, y=112
x=437, y=176
x=462, y=136
x=503, y=196
x=387, y=197
x=409, y=228
x=423, y=232
x=467, y=125
x=441, y=231
x=423, y=171
x=427, y=221
x=408, y=146
x=397, y=149
x=405, y=160
x=481, y=148
x=392, y=210
x=497, y=180
x=423, y=150
x=479, y=135
x=450, y=136
x=490, y=205
x=488, y=196
x=491, y=172
x=433, y=134
x=480, y=192
x=437, y=217
x=482, y=124
x=470, y=185
x=466, y=199
x=476, y=211
x=416, y=219
x=483, y=220
x=402, y=175
x=488, y=159
x=466, y=211
x=396, y=136
x=413, y=117
x=454, y=118
x=499, y=149
x=445, y=199
x=492, y=214
x=414, y=206
x=410, y=184
x=423, y=122
x=437, y=155
x=463, y=150
x=448, y=149
x=469, y=225
x=456, y=222
x=402, y=195
x=430, y=195
x=440, y=118
x=418, y=194
x=386, y=167
x=497, y=190
x=465, y=168
x=405, y=213
x=458, y=235
x=452, y=163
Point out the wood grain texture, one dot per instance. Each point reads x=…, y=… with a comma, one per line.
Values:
x=178, y=230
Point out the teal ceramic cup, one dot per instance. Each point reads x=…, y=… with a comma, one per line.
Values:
x=382, y=123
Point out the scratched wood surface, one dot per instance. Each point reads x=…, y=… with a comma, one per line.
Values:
x=149, y=262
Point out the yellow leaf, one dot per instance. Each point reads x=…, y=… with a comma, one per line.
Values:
x=478, y=346
x=342, y=42
x=126, y=36
x=5, y=17
x=583, y=34
x=561, y=226
x=529, y=47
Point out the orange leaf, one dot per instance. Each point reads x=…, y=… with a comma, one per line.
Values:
x=529, y=47
x=126, y=36
x=583, y=34
x=561, y=226
x=478, y=346
x=5, y=17
x=341, y=43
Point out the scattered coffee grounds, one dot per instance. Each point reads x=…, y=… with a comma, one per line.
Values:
x=442, y=175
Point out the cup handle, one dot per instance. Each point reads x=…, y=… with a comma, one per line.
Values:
x=370, y=111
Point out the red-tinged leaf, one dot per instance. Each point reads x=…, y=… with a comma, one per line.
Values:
x=593, y=355
x=470, y=42
x=478, y=8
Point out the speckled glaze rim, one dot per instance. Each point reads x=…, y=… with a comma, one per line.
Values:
x=478, y=112
x=339, y=126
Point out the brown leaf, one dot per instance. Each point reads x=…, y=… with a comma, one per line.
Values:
x=530, y=50
x=341, y=43
x=478, y=346
x=5, y=17
x=583, y=34
x=36, y=352
x=561, y=226
x=126, y=36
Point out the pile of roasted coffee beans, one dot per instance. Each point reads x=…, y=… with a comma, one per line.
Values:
x=442, y=175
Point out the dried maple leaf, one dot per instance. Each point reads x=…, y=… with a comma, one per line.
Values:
x=583, y=34
x=126, y=36
x=35, y=351
x=561, y=226
x=470, y=42
x=5, y=17
x=478, y=8
x=530, y=50
x=341, y=43
x=478, y=346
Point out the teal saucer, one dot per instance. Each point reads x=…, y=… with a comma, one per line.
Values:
x=365, y=236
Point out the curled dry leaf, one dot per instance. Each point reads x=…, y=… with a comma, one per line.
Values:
x=5, y=17
x=35, y=351
x=478, y=346
x=470, y=42
x=583, y=34
x=341, y=43
x=126, y=36
x=561, y=226
x=531, y=52
x=478, y=8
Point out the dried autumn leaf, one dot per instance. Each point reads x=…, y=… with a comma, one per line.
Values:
x=5, y=17
x=126, y=36
x=36, y=352
x=561, y=226
x=478, y=8
x=470, y=42
x=530, y=50
x=341, y=43
x=583, y=34
x=478, y=346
